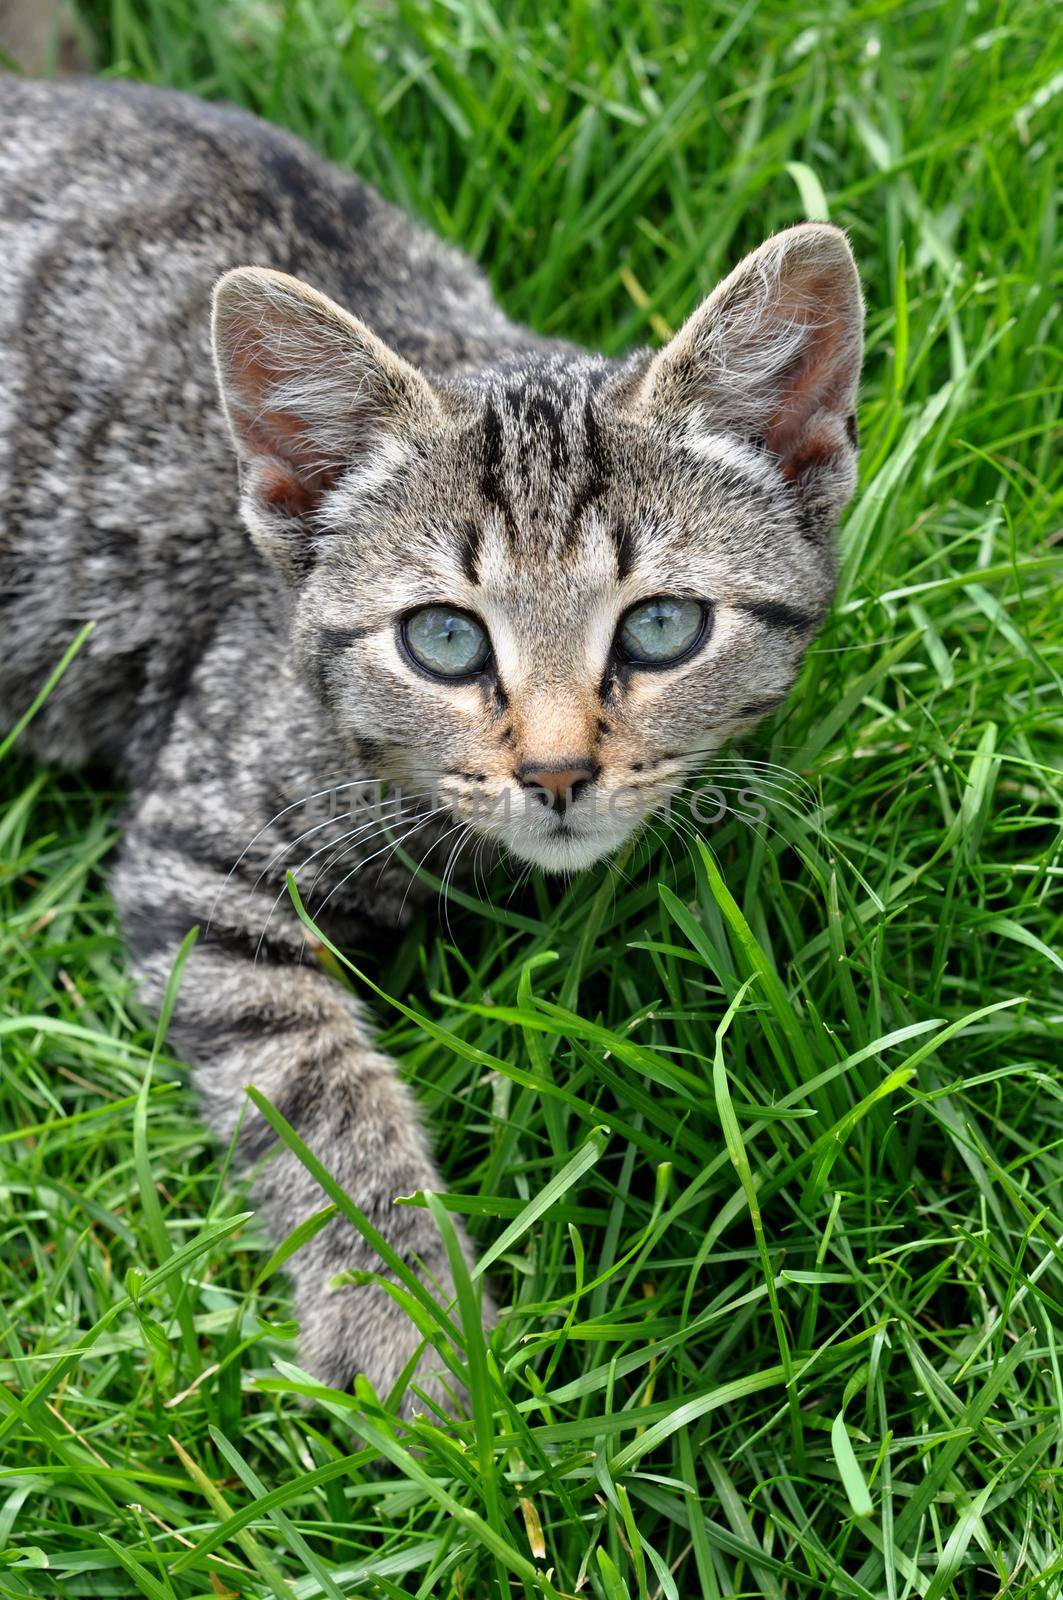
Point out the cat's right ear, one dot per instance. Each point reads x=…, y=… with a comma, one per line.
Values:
x=309, y=393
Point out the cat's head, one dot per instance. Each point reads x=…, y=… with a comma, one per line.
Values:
x=549, y=590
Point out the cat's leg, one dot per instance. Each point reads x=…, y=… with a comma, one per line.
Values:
x=255, y=1009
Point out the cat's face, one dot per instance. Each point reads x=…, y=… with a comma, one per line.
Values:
x=543, y=595
x=550, y=591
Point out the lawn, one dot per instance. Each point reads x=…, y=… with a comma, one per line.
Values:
x=760, y=1135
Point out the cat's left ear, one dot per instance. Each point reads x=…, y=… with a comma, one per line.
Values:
x=310, y=393
x=773, y=356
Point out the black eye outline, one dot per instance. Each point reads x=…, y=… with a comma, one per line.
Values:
x=626, y=656
x=414, y=660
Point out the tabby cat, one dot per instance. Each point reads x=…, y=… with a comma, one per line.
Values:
x=449, y=554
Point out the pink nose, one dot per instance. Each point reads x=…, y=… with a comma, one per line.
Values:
x=562, y=782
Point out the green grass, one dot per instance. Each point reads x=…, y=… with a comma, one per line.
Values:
x=782, y=1259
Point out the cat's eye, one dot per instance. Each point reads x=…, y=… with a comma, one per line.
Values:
x=446, y=642
x=662, y=631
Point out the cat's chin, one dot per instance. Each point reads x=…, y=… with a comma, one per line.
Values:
x=565, y=850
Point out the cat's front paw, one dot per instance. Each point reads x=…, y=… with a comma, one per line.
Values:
x=359, y=1328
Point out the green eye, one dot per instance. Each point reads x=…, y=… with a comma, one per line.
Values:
x=658, y=632
x=446, y=642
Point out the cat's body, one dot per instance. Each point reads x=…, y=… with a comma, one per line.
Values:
x=107, y=261
x=227, y=679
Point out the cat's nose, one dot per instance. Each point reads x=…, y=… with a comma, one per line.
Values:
x=557, y=786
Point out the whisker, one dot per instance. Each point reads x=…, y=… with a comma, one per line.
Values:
x=758, y=769
x=815, y=821
x=302, y=801
x=388, y=856
x=809, y=815
x=520, y=877
x=768, y=789
x=279, y=855
x=385, y=850
x=418, y=824
x=617, y=871
x=767, y=772
x=716, y=752
x=477, y=855
x=445, y=885
x=381, y=826
x=662, y=839
x=690, y=826
x=416, y=872
x=664, y=843
x=485, y=843
x=343, y=845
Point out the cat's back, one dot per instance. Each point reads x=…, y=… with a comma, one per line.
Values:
x=120, y=206
x=122, y=167
x=118, y=210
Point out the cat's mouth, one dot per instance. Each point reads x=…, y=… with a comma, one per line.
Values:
x=569, y=840
x=564, y=836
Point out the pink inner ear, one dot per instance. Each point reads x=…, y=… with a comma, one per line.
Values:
x=280, y=490
x=820, y=441
x=282, y=437
x=804, y=427
x=813, y=391
x=264, y=431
